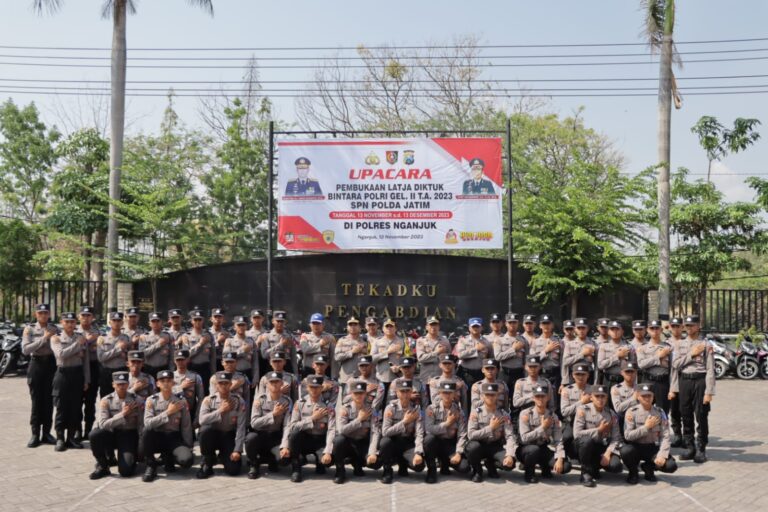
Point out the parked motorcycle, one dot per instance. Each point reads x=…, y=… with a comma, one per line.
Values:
x=725, y=358
x=747, y=362
x=12, y=359
x=762, y=356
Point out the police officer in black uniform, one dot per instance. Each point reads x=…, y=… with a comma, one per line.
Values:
x=36, y=343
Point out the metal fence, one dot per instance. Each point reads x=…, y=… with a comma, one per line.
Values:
x=727, y=311
x=63, y=296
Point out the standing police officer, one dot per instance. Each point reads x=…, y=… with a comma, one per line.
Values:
x=348, y=351
x=655, y=359
x=472, y=350
x=91, y=334
x=386, y=352
x=550, y=349
x=279, y=340
x=201, y=347
x=429, y=348
x=314, y=342
x=676, y=334
x=612, y=353
x=112, y=351
x=157, y=346
x=510, y=350
x=69, y=383
x=245, y=348
x=36, y=343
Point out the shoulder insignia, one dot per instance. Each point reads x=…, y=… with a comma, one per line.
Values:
x=580, y=412
x=630, y=416
x=388, y=413
x=524, y=418
x=104, y=402
x=473, y=416
x=430, y=412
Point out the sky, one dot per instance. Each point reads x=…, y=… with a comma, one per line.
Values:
x=630, y=122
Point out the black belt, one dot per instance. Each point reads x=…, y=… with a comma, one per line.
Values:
x=693, y=376
x=613, y=378
x=47, y=357
x=657, y=378
x=69, y=369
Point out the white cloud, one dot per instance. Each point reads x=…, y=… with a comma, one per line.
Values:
x=731, y=183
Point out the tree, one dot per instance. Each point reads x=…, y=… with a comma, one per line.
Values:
x=18, y=245
x=718, y=141
x=119, y=10
x=27, y=157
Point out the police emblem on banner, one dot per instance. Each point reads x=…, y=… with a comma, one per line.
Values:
x=408, y=157
x=392, y=157
x=328, y=236
x=289, y=237
x=372, y=159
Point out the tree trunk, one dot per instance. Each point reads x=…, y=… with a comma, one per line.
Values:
x=86, y=241
x=664, y=142
x=97, y=263
x=574, y=305
x=117, y=127
x=703, y=306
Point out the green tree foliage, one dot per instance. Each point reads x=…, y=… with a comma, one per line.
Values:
x=719, y=141
x=18, y=245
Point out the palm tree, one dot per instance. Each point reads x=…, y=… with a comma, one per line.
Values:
x=118, y=9
x=658, y=30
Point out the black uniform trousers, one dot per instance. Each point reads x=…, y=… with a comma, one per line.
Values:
x=204, y=371
x=213, y=441
x=610, y=380
x=104, y=442
x=40, y=382
x=570, y=450
x=259, y=445
x=68, y=396
x=470, y=376
x=590, y=452
x=105, y=380
x=492, y=452
x=89, y=397
x=555, y=378
x=511, y=376
x=304, y=443
x=400, y=450
x=541, y=455
x=442, y=449
x=692, y=388
x=660, y=390
x=633, y=453
x=356, y=450
x=169, y=444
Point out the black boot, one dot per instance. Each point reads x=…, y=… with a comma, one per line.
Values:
x=341, y=475
x=87, y=431
x=689, y=451
x=431, y=475
x=386, y=477
x=701, y=453
x=477, y=474
x=649, y=470
x=204, y=472
x=319, y=468
x=47, y=438
x=530, y=476
x=358, y=471
x=61, y=445
x=633, y=477
x=72, y=441
x=34, y=441
x=587, y=480
x=677, y=438
x=296, y=475
x=78, y=437
x=490, y=465
x=149, y=474
x=402, y=470
x=101, y=471
x=254, y=472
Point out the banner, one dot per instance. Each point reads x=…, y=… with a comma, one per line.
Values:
x=406, y=193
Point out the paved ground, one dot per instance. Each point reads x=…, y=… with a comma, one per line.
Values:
x=733, y=480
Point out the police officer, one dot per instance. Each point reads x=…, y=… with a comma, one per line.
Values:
x=386, y=353
x=490, y=374
x=157, y=346
x=569, y=331
x=245, y=348
x=420, y=392
x=646, y=430
x=132, y=329
x=510, y=350
x=279, y=340
x=358, y=431
x=497, y=330
x=330, y=386
x=255, y=332
x=167, y=428
x=522, y=397
x=549, y=348
x=477, y=184
x=349, y=349
x=655, y=360
x=597, y=437
x=223, y=420
x=602, y=335
x=70, y=381
x=472, y=349
x=638, y=334
x=571, y=397
x=175, y=329
x=694, y=379
x=676, y=334
x=445, y=438
x=303, y=185
x=36, y=344
x=270, y=419
x=402, y=435
x=112, y=351
x=314, y=342
x=290, y=384
x=240, y=383
x=623, y=395
x=201, y=346
x=140, y=383
x=375, y=397
x=429, y=348
x=188, y=384
x=611, y=354
x=448, y=373
x=219, y=335
x=491, y=436
x=581, y=348
x=529, y=328
x=91, y=334
x=120, y=416
x=312, y=430
x=372, y=331
x=540, y=428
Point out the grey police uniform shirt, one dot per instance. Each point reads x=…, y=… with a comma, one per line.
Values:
x=301, y=421
x=427, y=355
x=247, y=355
x=133, y=333
x=573, y=351
x=69, y=353
x=436, y=424
x=175, y=334
x=649, y=360
x=472, y=358
x=111, y=354
x=346, y=360
x=502, y=397
x=93, y=333
x=419, y=394
x=193, y=394
x=143, y=380
x=34, y=342
x=263, y=418
x=351, y=427
x=273, y=341
x=608, y=360
x=384, y=361
x=532, y=430
x=156, y=353
x=330, y=395
x=504, y=351
x=394, y=424
x=241, y=386
x=110, y=416
x=375, y=394
x=635, y=430
x=588, y=418
x=522, y=396
x=157, y=418
x=637, y=344
x=254, y=332
x=684, y=363
x=201, y=348
x=288, y=378
x=462, y=394
x=549, y=360
x=570, y=399
x=312, y=344
x=479, y=429
x=623, y=397
x=235, y=420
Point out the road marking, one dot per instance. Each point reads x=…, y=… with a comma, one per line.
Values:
x=393, y=498
x=91, y=495
x=697, y=502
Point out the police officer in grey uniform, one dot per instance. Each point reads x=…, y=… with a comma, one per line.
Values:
x=571, y=397
x=70, y=381
x=112, y=351
x=472, y=349
x=611, y=353
x=386, y=352
x=448, y=373
x=188, y=384
x=491, y=436
x=420, y=392
x=202, y=349
x=429, y=348
x=157, y=346
x=522, y=396
x=676, y=334
x=623, y=395
x=597, y=437
x=36, y=344
x=490, y=374
x=349, y=349
x=655, y=360
x=223, y=420
x=245, y=348
x=330, y=386
x=91, y=334
x=255, y=331
x=167, y=428
x=694, y=380
x=510, y=350
x=314, y=342
x=358, y=431
x=132, y=329
x=120, y=416
x=140, y=383
x=175, y=328
x=290, y=384
x=646, y=430
x=539, y=428
x=550, y=349
x=581, y=348
x=219, y=335
x=280, y=340
x=270, y=419
x=312, y=430
x=241, y=384
x=402, y=435
x=445, y=428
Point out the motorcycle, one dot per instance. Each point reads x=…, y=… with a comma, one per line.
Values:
x=12, y=358
x=725, y=358
x=762, y=356
x=747, y=362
